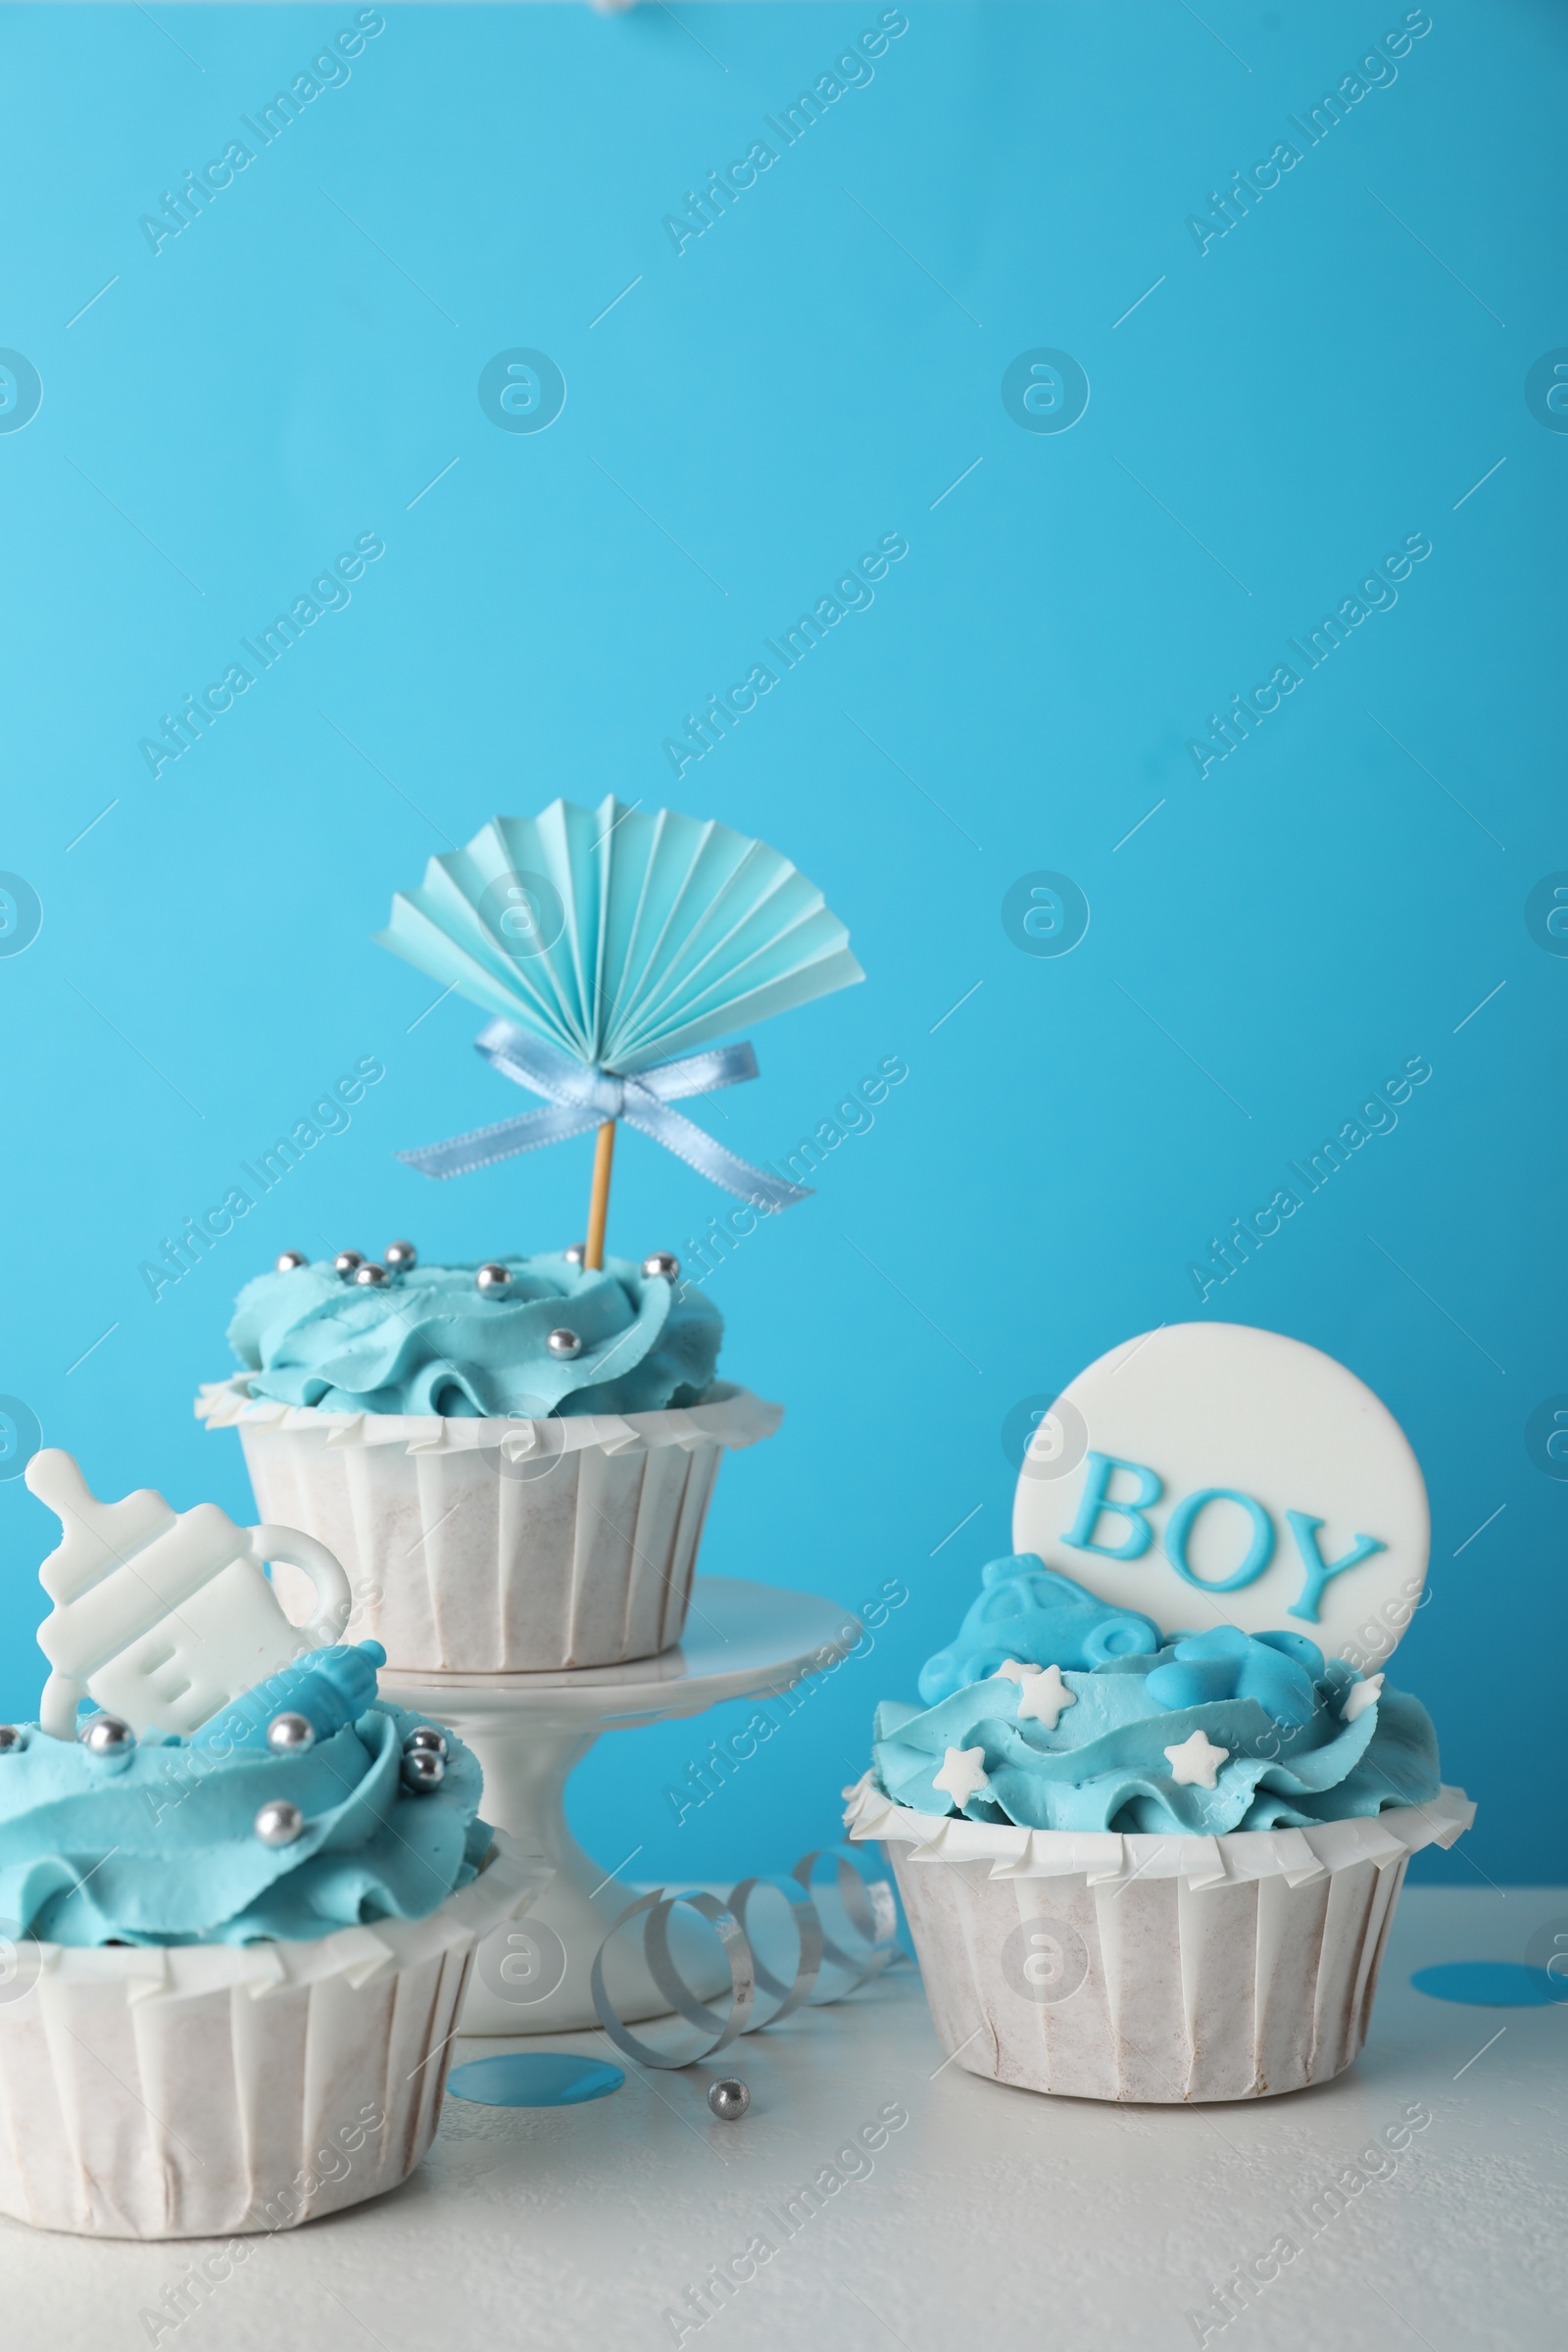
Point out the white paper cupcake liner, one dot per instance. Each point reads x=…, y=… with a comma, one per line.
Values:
x=1152, y=1968
x=483, y=1546
x=216, y=2091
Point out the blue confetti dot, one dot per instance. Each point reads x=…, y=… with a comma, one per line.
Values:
x=1491, y=1985
x=534, y=2079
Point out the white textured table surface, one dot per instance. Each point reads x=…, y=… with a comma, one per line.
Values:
x=990, y=2215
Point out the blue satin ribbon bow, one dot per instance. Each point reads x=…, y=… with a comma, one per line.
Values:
x=581, y=1098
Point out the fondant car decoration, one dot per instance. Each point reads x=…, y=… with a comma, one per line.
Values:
x=1027, y=1611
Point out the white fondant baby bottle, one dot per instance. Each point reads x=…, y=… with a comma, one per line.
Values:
x=164, y=1616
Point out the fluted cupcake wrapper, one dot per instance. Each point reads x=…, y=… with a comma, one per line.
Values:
x=480, y=1547
x=218, y=2091
x=1147, y=1968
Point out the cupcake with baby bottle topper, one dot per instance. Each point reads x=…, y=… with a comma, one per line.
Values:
x=514, y=1456
x=240, y=1891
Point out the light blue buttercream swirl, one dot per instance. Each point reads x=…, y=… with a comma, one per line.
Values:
x=157, y=1843
x=1271, y=1703
x=430, y=1341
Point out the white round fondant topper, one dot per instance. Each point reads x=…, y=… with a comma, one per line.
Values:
x=1209, y=1474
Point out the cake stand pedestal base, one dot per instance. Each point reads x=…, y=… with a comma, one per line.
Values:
x=529, y=1731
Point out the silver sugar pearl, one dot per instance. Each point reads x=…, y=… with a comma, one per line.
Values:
x=371, y=1276
x=428, y=1736
x=106, y=1734
x=402, y=1256
x=661, y=1262
x=576, y=1253
x=492, y=1280
x=278, y=1823
x=346, y=1261
x=422, y=1771
x=290, y=1735
x=563, y=1343
x=10, y=1738
x=291, y=1261
x=729, y=2099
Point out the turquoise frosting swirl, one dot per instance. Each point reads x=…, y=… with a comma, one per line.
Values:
x=430, y=1341
x=157, y=1843
x=1295, y=1746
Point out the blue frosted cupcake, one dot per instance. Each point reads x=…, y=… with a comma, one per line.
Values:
x=233, y=1962
x=514, y=1460
x=1148, y=1867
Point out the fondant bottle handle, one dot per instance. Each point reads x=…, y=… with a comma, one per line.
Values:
x=334, y=1597
x=56, y=1709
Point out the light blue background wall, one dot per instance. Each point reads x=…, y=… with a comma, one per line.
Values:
x=1279, y=412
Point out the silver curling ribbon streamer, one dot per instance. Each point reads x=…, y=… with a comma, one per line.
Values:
x=869, y=1910
x=808, y=1925
x=717, y=2031
x=870, y=1920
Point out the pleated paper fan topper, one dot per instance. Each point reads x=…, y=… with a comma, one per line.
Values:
x=613, y=946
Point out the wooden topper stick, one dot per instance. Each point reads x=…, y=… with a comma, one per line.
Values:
x=598, y=1198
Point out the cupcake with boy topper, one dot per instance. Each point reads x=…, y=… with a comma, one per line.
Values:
x=513, y=1457
x=1151, y=1814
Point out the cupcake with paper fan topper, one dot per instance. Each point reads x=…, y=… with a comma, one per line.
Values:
x=514, y=1456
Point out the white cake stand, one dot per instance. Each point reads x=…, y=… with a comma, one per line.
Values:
x=741, y=1640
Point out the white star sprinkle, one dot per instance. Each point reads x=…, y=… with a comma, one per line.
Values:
x=1195, y=1762
x=1042, y=1696
x=962, y=1775
x=1016, y=1670
x=1361, y=1696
